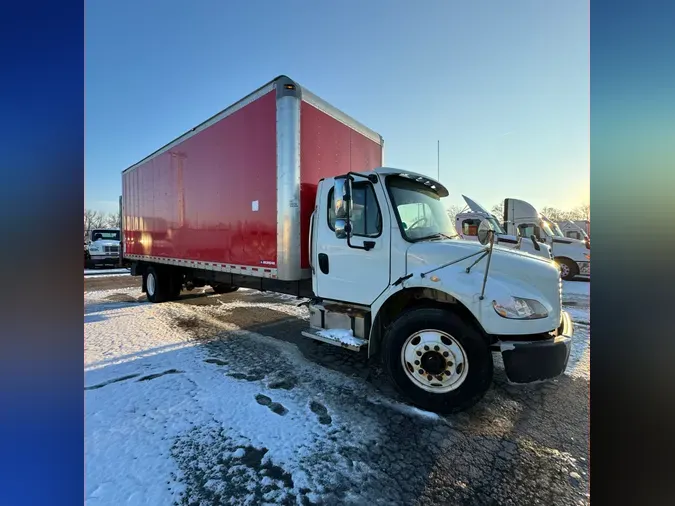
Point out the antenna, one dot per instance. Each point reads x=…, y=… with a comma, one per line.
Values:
x=438, y=161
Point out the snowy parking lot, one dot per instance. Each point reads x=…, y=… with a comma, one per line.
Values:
x=217, y=399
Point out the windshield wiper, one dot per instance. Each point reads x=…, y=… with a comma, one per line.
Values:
x=440, y=235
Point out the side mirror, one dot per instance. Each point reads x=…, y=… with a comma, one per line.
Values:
x=486, y=232
x=342, y=198
x=342, y=229
x=535, y=243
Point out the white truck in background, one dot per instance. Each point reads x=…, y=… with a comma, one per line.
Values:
x=468, y=221
x=102, y=247
x=577, y=229
x=572, y=255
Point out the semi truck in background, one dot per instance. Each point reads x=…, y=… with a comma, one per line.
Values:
x=577, y=229
x=573, y=255
x=468, y=222
x=102, y=247
x=283, y=192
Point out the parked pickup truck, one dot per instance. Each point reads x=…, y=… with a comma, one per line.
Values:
x=102, y=247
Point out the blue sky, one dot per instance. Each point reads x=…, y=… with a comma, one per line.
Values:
x=504, y=85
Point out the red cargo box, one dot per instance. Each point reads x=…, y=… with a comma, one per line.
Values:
x=235, y=194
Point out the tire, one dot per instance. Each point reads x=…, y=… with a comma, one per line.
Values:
x=464, y=386
x=157, y=285
x=568, y=269
x=221, y=288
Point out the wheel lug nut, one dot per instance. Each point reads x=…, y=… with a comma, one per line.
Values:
x=421, y=371
x=446, y=354
x=417, y=362
x=448, y=372
x=419, y=353
x=426, y=348
x=429, y=377
x=436, y=348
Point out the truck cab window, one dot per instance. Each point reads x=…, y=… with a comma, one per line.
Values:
x=470, y=227
x=365, y=215
x=529, y=229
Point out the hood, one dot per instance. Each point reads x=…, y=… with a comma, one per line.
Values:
x=105, y=242
x=511, y=270
x=475, y=207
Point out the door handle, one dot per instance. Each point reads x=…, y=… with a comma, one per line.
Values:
x=323, y=263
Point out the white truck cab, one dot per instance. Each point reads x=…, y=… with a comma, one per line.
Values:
x=523, y=220
x=102, y=247
x=389, y=273
x=468, y=221
x=575, y=229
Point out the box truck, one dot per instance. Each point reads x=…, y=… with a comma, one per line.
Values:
x=468, y=221
x=283, y=192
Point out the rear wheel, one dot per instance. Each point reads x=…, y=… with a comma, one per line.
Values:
x=157, y=285
x=568, y=268
x=437, y=360
x=222, y=288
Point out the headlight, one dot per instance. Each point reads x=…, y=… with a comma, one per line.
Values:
x=515, y=308
x=93, y=248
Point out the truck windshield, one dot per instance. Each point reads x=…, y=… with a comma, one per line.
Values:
x=498, y=228
x=421, y=214
x=552, y=229
x=105, y=235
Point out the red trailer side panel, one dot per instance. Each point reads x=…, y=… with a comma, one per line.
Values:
x=196, y=200
x=328, y=148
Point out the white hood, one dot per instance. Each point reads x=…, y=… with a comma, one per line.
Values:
x=512, y=273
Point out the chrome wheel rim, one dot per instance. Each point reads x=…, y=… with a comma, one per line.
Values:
x=564, y=270
x=434, y=361
x=151, y=284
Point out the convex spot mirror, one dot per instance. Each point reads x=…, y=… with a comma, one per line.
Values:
x=485, y=232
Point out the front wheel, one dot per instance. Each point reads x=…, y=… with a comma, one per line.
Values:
x=437, y=360
x=568, y=268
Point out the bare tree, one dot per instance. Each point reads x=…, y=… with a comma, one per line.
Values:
x=582, y=212
x=498, y=210
x=93, y=219
x=112, y=220
x=555, y=214
x=453, y=211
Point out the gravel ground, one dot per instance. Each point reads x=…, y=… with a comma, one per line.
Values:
x=519, y=445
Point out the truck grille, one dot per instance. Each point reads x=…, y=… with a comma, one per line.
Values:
x=111, y=249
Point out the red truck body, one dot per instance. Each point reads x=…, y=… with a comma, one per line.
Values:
x=235, y=194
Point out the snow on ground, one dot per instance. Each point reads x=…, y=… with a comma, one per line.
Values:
x=182, y=405
x=576, y=301
x=105, y=273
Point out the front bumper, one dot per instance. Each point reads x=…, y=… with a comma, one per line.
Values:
x=104, y=260
x=532, y=361
x=584, y=268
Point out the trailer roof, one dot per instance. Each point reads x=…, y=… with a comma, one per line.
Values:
x=306, y=96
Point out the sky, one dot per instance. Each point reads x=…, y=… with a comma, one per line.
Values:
x=503, y=85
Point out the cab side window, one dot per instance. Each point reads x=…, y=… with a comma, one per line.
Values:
x=364, y=216
x=529, y=229
x=470, y=227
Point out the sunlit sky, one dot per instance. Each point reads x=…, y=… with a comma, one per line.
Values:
x=503, y=85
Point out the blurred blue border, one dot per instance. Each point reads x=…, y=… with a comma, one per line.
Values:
x=41, y=200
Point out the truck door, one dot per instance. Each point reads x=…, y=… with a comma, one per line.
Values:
x=345, y=273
